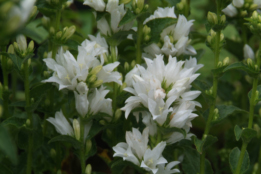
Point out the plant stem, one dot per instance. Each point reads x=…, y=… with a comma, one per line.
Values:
x=213, y=105
x=139, y=40
x=5, y=85
x=115, y=85
x=57, y=25
x=259, y=162
x=251, y=114
x=82, y=150
x=29, y=116
x=14, y=84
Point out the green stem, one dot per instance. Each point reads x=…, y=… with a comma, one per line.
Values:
x=82, y=150
x=5, y=85
x=14, y=84
x=213, y=105
x=115, y=85
x=139, y=41
x=251, y=114
x=29, y=116
x=57, y=25
x=259, y=162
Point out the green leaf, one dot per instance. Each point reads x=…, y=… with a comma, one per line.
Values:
x=66, y=138
x=201, y=146
x=224, y=111
x=259, y=90
x=241, y=66
x=191, y=162
x=5, y=170
x=248, y=134
x=7, y=146
x=158, y=25
x=16, y=60
x=15, y=121
x=118, y=37
x=40, y=90
x=203, y=86
x=238, y=132
x=128, y=17
x=233, y=160
x=218, y=71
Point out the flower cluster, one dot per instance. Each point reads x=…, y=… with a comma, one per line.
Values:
x=164, y=90
x=136, y=150
x=174, y=39
x=241, y=7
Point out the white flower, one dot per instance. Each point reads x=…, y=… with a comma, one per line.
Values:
x=137, y=141
x=98, y=5
x=174, y=38
x=230, y=10
x=129, y=76
x=61, y=124
x=238, y=3
x=153, y=157
x=81, y=103
x=108, y=75
x=177, y=136
x=124, y=151
x=162, y=13
x=168, y=168
x=248, y=52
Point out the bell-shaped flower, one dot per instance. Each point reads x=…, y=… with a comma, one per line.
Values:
x=137, y=141
x=168, y=169
x=230, y=10
x=81, y=103
x=248, y=52
x=108, y=75
x=153, y=157
x=238, y=3
x=61, y=124
x=162, y=13
x=98, y=5
x=124, y=151
x=177, y=136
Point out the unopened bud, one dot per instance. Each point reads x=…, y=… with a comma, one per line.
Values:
x=226, y=61
x=146, y=30
x=59, y=34
x=31, y=46
x=249, y=62
x=124, y=1
x=253, y=7
x=126, y=66
x=46, y=74
x=256, y=68
x=96, y=70
x=11, y=49
x=76, y=128
x=147, y=38
x=28, y=122
x=255, y=15
x=133, y=63
x=88, y=146
x=221, y=37
x=9, y=64
x=223, y=19
x=92, y=78
x=257, y=95
x=88, y=169
x=69, y=32
x=180, y=6
x=137, y=11
x=53, y=153
x=22, y=43
x=209, y=39
x=118, y=114
x=97, y=83
x=34, y=10
x=212, y=18
x=243, y=13
x=52, y=30
x=257, y=129
x=140, y=4
x=220, y=64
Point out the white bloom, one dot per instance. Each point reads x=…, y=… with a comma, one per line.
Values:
x=124, y=151
x=98, y=5
x=162, y=13
x=177, y=136
x=104, y=26
x=129, y=76
x=248, y=52
x=137, y=141
x=153, y=157
x=108, y=75
x=230, y=10
x=238, y=3
x=61, y=124
x=168, y=168
x=81, y=103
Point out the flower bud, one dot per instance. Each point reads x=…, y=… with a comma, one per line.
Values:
x=96, y=70
x=226, y=61
x=45, y=21
x=257, y=95
x=212, y=18
x=33, y=12
x=102, y=122
x=22, y=43
x=249, y=62
x=31, y=46
x=88, y=146
x=253, y=7
x=46, y=74
x=51, y=30
x=11, y=49
x=53, y=153
x=146, y=30
x=118, y=114
x=97, y=83
x=243, y=13
x=88, y=169
x=28, y=122
x=257, y=129
x=76, y=128
x=126, y=66
x=140, y=4
x=220, y=64
x=180, y=6
x=147, y=38
x=137, y=10
x=221, y=37
x=124, y=1
x=209, y=39
x=69, y=32
x=256, y=68
x=255, y=15
x=9, y=64
x=59, y=34
x=223, y=19
x=92, y=79
x=133, y=63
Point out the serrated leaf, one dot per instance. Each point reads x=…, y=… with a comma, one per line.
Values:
x=201, y=146
x=241, y=66
x=128, y=17
x=224, y=111
x=248, y=134
x=15, y=121
x=66, y=138
x=233, y=160
x=238, y=132
x=259, y=90
x=158, y=25
x=7, y=146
